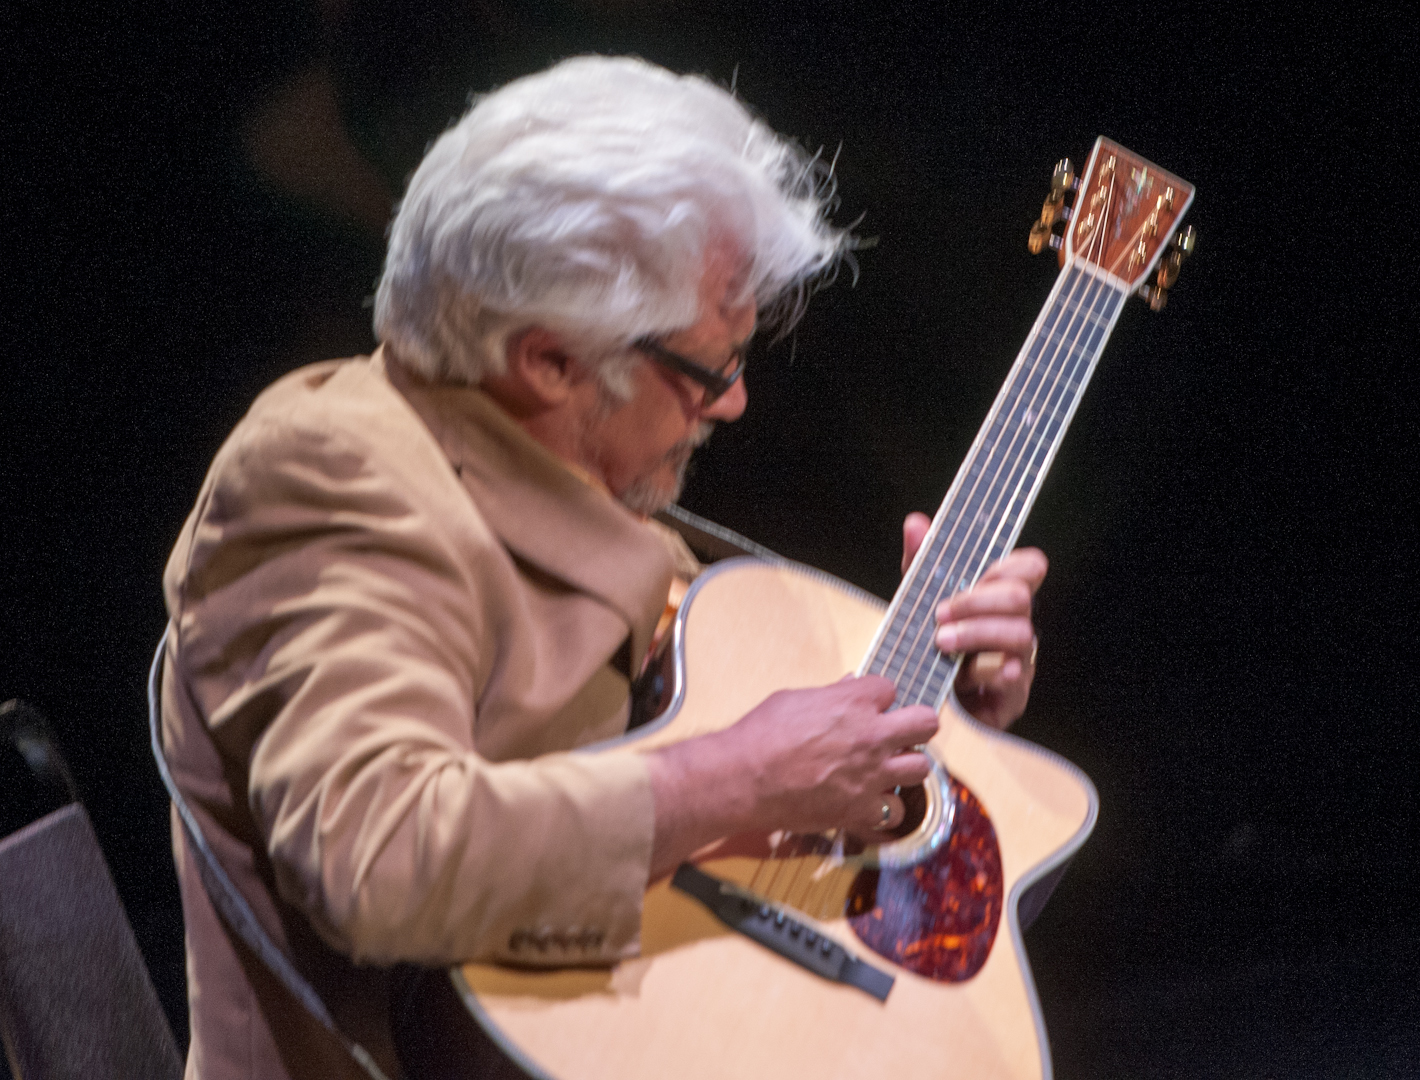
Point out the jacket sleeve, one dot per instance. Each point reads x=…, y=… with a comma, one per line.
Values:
x=335, y=637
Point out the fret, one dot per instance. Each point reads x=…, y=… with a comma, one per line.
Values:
x=987, y=504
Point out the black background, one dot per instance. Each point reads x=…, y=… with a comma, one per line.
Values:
x=1226, y=632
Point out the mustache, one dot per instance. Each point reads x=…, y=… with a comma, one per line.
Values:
x=645, y=496
x=682, y=450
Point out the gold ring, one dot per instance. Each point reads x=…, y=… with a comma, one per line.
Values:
x=1034, y=648
x=887, y=815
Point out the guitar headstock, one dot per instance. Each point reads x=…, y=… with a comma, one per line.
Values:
x=1126, y=212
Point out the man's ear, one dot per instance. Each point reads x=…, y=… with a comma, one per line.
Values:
x=540, y=373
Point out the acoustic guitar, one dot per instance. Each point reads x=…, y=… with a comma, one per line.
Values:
x=816, y=956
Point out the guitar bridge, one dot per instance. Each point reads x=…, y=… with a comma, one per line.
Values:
x=776, y=929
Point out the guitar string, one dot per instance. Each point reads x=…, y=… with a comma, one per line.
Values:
x=1070, y=304
x=823, y=879
x=770, y=888
x=996, y=461
x=925, y=678
x=1072, y=294
x=821, y=854
x=916, y=616
x=1002, y=460
x=790, y=861
x=1102, y=309
x=802, y=859
x=759, y=868
x=780, y=853
x=1040, y=429
x=1104, y=305
x=1018, y=460
x=816, y=903
x=1016, y=497
x=1013, y=488
x=909, y=611
x=803, y=850
x=1051, y=417
x=1137, y=236
x=942, y=539
x=800, y=864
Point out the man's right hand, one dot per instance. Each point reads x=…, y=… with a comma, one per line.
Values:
x=803, y=760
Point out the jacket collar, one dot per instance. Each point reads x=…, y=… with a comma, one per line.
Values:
x=539, y=508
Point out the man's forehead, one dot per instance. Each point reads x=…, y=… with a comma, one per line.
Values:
x=727, y=271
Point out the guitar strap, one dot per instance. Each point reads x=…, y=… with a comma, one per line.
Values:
x=711, y=542
x=228, y=900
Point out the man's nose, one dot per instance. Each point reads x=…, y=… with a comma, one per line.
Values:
x=730, y=405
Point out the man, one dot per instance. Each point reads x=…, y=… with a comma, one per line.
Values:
x=413, y=582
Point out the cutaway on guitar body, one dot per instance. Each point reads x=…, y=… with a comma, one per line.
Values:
x=705, y=1001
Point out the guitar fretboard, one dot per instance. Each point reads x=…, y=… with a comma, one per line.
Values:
x=988, y=501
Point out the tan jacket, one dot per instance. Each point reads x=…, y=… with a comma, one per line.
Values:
x=393, y=615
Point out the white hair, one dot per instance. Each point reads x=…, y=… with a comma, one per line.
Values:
x=582, y=200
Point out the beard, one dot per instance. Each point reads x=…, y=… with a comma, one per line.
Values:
x=647, y=493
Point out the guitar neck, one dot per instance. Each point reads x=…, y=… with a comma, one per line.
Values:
x=987, y=504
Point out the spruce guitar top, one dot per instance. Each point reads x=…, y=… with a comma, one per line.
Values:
x=815, y=956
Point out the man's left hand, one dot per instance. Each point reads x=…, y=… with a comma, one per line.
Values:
x=991, y=624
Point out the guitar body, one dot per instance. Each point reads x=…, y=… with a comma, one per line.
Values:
x=705, y=1001
x=937, y=984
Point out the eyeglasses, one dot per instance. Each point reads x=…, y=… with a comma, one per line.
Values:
x=716, y=383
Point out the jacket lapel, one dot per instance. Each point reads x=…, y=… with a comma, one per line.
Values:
x=540, y=510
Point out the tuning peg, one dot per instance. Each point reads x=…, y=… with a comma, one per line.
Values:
x=1168, y=268
x=1054, y=210
x=1170, y=264
x=1041, y=238
x=1061, y=181
x=1154, y=296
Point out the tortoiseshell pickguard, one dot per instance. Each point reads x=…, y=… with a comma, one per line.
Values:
x=937, y=918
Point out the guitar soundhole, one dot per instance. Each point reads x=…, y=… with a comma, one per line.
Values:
x=914, y=803
x=938, y=918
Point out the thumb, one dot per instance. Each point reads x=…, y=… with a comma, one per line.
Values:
x=914, y=531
